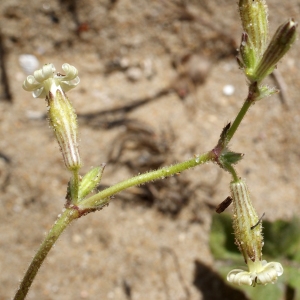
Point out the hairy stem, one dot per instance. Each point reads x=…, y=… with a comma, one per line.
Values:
x=236, y=123
x=102, y=197
x=232, y=171
x=248, y=102
x=59, y=226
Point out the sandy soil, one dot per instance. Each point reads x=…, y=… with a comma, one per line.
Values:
x=151, y=242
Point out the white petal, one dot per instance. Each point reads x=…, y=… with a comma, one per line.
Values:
x=270, y=272
x=44, y=73
x=71, y=72
x=39, y=93
x=68, y=85
x=239, y=277
x=43, y=80
x=30, y=83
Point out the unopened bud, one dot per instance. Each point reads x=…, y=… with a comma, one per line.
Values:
x=90, y=181
x=281, y=42
x=254, y=17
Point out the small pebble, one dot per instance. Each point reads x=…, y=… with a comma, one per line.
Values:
x=228, y=90
x=29, y=63
x=77, y=238
x=134, y=74
x=148, y=68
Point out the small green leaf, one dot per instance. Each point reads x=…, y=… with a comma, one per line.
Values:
x=222, y=140
x=90, y=181
x=231, y=157
x=248, y=55
x=266, y=91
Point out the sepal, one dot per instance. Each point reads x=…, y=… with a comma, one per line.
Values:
x=247, y=53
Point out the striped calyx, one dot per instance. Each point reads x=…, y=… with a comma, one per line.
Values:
x=279, y=45
x=246, y=225
x=63, y=121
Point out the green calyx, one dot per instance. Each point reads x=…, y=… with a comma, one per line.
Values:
x=247, y=227
x=281, y=42
x=63, y=121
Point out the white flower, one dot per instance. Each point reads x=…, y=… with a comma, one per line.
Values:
x=260, y=272
x=61, y=114
x=44, y=80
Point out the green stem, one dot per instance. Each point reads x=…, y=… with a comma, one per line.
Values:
x=253, y=95
x=102, y=198
x=59, y=226
x=74, y=186
x=233, y=173
x=236, y=123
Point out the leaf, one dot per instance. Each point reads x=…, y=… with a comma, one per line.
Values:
x=229, y=157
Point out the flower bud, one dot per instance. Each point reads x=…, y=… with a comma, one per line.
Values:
x=281, y=42
x=90, y=181
x=254, y=17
